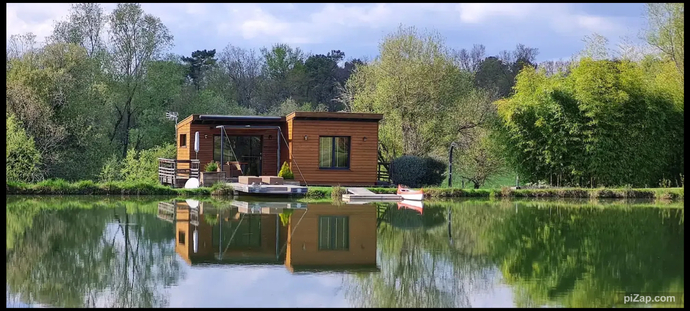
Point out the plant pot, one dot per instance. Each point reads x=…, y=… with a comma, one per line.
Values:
x=210, y=178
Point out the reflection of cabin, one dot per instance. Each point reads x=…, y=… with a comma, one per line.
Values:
x=329, y=237
x=320, y=237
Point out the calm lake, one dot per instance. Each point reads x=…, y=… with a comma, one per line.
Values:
x=159, y=252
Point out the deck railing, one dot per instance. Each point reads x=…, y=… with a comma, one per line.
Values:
x=383, y=171
x=170, y=173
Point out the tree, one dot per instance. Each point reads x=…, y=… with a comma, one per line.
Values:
x=197, y=65
x=480, y=157
x=603, y=124
x=137, y=39
x=666, y=31
x=84, y=27
x=241, y=70
x=416, y=85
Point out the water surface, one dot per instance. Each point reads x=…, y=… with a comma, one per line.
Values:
x=157, y=252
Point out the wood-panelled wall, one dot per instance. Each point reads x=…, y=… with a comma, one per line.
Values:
x=304, y=154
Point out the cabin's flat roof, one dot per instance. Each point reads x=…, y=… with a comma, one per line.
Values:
x=237, y=118
x=344, y=116
x=298, y=115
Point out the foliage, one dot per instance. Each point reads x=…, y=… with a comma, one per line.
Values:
x=600, y=125
x=416, y=172
x=22, y=160
x=417, y=87
x=481, y=156
x=142, y=166
x=111, y=170
x=211, y=167
x=87, y=187
x=286, y=172
x=666, y=31
x=285, y=216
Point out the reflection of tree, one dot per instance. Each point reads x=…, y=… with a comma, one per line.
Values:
x=419, y=266
x=77, y=254
x=552, y=253
x=589, y=257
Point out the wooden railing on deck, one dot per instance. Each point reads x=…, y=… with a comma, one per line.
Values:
x=169, y=171
x=383, y=172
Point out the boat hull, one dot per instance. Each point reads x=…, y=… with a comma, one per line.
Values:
x=412, y=196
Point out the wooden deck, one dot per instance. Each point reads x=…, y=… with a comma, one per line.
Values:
x=268, y=189
x=170, y=172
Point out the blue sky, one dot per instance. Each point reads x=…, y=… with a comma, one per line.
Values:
x=556, y=29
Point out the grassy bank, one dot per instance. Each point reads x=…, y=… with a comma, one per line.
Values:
x=598, y=193
x=61, y=187
x=87, y=187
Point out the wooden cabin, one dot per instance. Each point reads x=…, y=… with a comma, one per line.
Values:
x=321, y=148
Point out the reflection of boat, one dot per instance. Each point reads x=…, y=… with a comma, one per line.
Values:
x=413, y=205
x=409, y=194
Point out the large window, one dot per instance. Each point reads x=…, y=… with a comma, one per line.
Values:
x=334, y=152
x=244, y=149
x=334, y=233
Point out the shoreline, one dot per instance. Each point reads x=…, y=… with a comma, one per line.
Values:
x=61, y=187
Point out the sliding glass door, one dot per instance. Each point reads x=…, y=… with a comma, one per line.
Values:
x=243, y=149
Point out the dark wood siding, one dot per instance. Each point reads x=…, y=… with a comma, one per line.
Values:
x=269, y=152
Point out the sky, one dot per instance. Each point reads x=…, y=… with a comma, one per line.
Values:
x=556, y=29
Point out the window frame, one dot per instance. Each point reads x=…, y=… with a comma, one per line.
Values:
x=183, y=141
x=333, y=247
x=333, y=153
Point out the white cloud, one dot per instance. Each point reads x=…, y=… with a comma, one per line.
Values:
x=474, y=13
x=561, y=17
x=37, y=18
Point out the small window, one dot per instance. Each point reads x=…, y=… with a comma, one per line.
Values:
x=334, y=152
x=334, y=233
x=181, y=237
x=183, y=140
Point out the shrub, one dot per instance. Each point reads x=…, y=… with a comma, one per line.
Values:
x=142, y=166
x=21, y=156
x=435, y=172
x=211, y=166
x=416, y=172
x=337, y=193
x=111, y=170
x=285, y=172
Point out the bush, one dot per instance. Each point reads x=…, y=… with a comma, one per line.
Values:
x=413, y=171
x=21, y=156
x=285, y=172
x=435, y=172
x=211, y=167
x=111, y=170
x=142, y=166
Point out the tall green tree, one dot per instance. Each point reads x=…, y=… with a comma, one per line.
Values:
x=136, y=39
x=666, y=31
x=416, y=85
x=197, y=65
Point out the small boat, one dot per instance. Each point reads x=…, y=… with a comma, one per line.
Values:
x=409, y=194
x=413, y=205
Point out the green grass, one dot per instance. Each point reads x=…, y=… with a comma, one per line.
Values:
x=316, y=193
x=504, y=180
x=62, y=187
x=87, y=187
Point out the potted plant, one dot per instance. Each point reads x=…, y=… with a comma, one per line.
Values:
x=211, y=174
